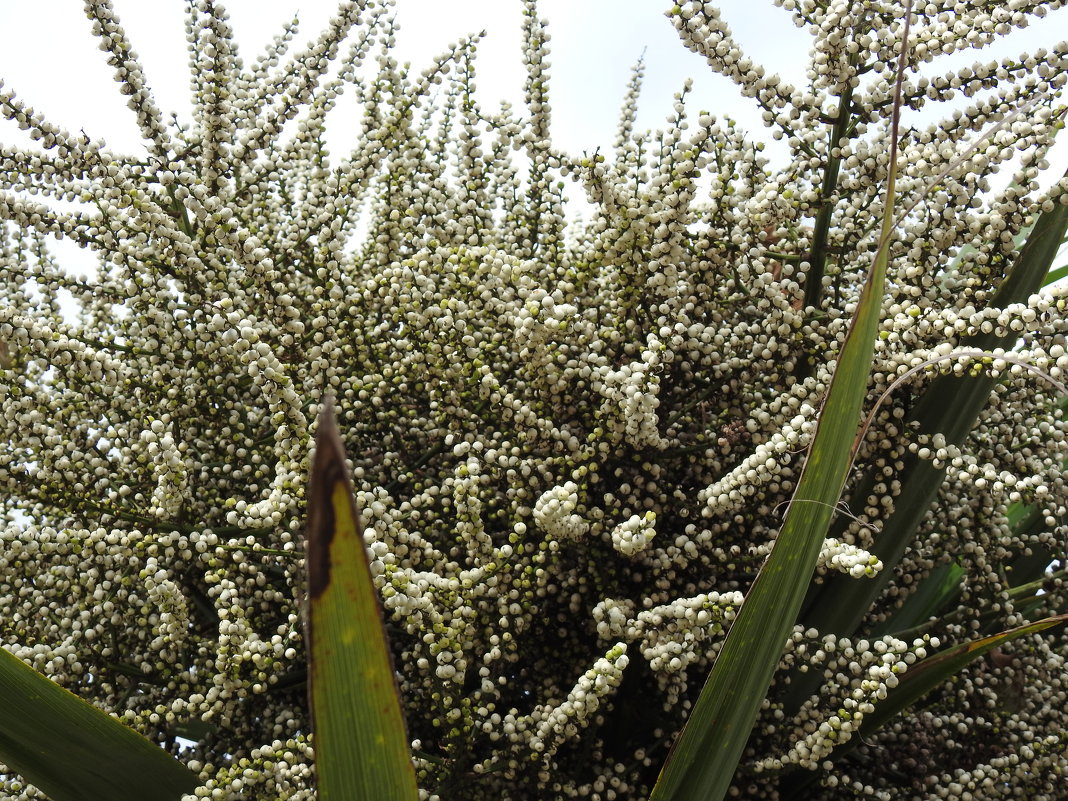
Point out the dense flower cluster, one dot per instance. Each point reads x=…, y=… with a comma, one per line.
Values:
x=572, y=441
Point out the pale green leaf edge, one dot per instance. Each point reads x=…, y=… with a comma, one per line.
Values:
x=919, y=680
x=924, y=676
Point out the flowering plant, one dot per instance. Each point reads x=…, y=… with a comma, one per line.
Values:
x=571, y=441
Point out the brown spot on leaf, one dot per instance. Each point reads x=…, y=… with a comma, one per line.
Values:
x=328, y=471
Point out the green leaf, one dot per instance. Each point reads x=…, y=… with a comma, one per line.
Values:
x=950, y=406
x=72, y=751
x=1055, y=275
x=924, y=676
x=361, y=748
x=933, y=593
x=914, y=684
x=703, y=760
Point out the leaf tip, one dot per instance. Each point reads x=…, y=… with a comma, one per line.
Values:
x=328, y=469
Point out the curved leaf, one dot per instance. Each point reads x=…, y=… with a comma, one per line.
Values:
x=72, y=751
x=950, y=406
x=916, y=682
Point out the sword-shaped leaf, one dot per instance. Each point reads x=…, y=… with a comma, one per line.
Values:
x=72, y=751
x=361, y=748
x=703, y=760
x=915, y=683
x=924, y=676
x=950, y=406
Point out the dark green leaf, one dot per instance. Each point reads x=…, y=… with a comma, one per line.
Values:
x=949, y=406
x=702, y=762
x=934, y=592
x=72, y=751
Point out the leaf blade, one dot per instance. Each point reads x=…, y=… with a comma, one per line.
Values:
x=361, y=748
x=950, y=406
x=705, y=756
x=925, y=676
x=72, y=751
x=703, y=760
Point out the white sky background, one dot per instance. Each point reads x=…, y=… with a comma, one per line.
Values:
x=48, y=56
x=50, y=59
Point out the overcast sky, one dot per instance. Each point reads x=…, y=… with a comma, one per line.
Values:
x=49, y=57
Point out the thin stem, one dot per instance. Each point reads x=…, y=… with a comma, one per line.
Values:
x=821, y=231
